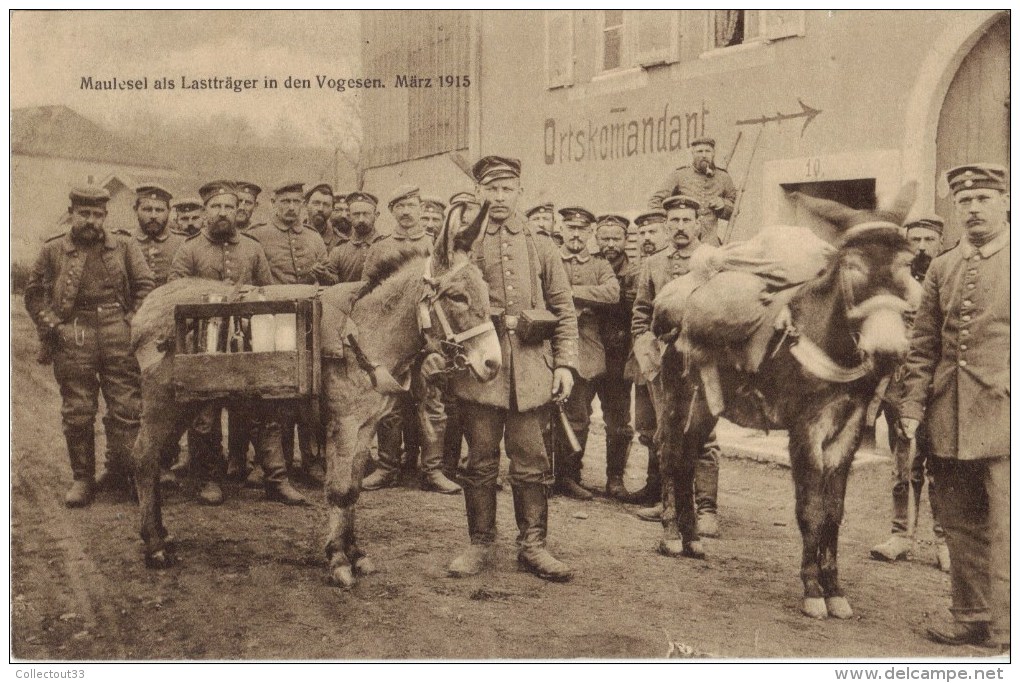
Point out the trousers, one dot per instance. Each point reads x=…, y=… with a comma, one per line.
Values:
x=486, y=426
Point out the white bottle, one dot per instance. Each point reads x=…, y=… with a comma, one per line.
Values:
x=263, y=329
x=286, y=331
x=213, y=326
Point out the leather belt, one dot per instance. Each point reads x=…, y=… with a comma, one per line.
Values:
x=97, y=308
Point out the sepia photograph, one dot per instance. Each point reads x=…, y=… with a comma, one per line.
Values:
x=478, y=336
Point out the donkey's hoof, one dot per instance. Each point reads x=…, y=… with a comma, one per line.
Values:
x=694, y=549
x=363, y=566
x=838, y=607
x=342, y=576
x=671, y=547
x=815, y=608
x=158, y=560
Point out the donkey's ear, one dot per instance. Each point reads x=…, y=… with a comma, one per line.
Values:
x=464, y=240
x=840, y=215
x=443, y=248
x=901, y=204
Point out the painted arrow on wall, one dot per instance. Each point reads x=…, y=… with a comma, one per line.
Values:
x=807, y=113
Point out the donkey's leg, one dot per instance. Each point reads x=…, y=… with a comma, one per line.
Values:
x=666, y=394
x=342, y=490
x=839, y=456
x=362, y=564
x=806, y=466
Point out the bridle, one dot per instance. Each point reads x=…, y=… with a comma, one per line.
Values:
x=451, y=344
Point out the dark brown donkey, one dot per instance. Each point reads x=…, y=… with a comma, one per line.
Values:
x=816, y=382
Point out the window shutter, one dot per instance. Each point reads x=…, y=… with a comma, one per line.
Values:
x=559, y=48
x=781, y=23
x=654, y=36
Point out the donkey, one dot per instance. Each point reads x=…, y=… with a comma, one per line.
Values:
x=439, y=301
x=844, y=331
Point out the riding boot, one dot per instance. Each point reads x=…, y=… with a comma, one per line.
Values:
x=651, y=492
x=941, y=549
x=617, y=452
x=480, y=504
x=269, y=450
x=706, y=489
x=81, y=449
x=901, y=543
x=568, y=472
x=387, y=467
x=432, y=433
x=531, y=508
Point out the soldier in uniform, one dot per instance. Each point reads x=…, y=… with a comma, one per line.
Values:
x=683, y=227
x=222, y=253
x=925, y=238
x=431, y=218
x=524, y=273
x=158, y=243
x=594, y=289
x=613, y=388
x=247, y=201
x=705, y=182
x=188, y=213
x=347, y=260
x=958, y=382
x=541, y=218
x=319, y=210
x=340, y=219
x=651, y=229
x=83, y=290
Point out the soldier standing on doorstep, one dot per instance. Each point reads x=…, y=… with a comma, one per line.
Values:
x=613, y=388
x=925, y=238
x=83, y=290
x=711, y=186
x=683, y=227
x=651, y=229
x=526, y=282
x=958, y=382
x=222, y=253
x=594, y=289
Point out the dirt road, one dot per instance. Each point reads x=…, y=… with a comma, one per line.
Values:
x=251, y=578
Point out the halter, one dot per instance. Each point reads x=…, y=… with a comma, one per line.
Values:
x=452, y=343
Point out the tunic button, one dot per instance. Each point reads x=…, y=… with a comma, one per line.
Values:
x=963, y=363
x=967, y=302
x=966, y=318
x=964, y=333
x=971, y=285
x=509, y=288
x=509, y=272
x=963, y=347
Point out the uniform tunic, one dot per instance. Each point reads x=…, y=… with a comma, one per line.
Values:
x=594, y=288
x=688, y=181
x=396, y=247
x=159, y=252
x=347, y=260
x=291, y=251
x=238, y=259
x=330, y=236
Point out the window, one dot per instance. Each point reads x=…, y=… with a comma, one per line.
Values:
x=735, y=27
x=559, y=48
x=632, y=38
x=612, y=39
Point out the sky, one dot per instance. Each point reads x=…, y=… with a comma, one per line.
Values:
x=52, y=51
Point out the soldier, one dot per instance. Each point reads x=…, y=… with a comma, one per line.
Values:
x=340, y=219
x=925, y=238
x=958, y=382
x=319, y=209
x=541, y=218
x=613, y=388
x=705, y=182
x=83, y=290
x=247, y=202
x=651, y=228
x=189, y=216
x=432, y=215
x=220, y=252
x=524, y=275
x=157, y=242
x=683, y=227
x=407, y=237
x=347, y=259
x=594, y=289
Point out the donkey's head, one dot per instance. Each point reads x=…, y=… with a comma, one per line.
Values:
x=870, y=272
x=455, y=309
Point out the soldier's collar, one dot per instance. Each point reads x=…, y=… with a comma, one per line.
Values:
x=232, y=239
x=989, y=248
x=70, y=245
x=142, y=236
x=686, y=253
x=582, y=257
x=417, y=234
x=282, y=227
x=514, y=225
x=373, y=236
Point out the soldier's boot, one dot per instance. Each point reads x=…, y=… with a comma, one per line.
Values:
x=119, y=473
x=387, y=468
x=706, y=492
x=207, y=463
x=531, y=508
x=651, y=492
x=480, y=504
x=431, y=463
x=568, y=469
x=239, y=432
x=81, y=449
x=617, y=452
x=277, y=486
x=901, y=543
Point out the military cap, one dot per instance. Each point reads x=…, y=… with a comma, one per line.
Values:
x=188, y=204
x=494, y=167
x=215, y=189
x=290, y=186
x=251, y=188
x=340, y=197
x=653, y=216
x=153, y=191
x=401, y=193
x=89, y=195
x=362, y=197
x=614, y=219
x=324, y=188
x=432, y=204
x=977, y=176
x=463, y=198
x=931, y=222
x=541, y=208
x=703, y=140
x=575, y=215
x=678, y=201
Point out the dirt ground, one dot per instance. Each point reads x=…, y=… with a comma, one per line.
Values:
x=250, y=581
